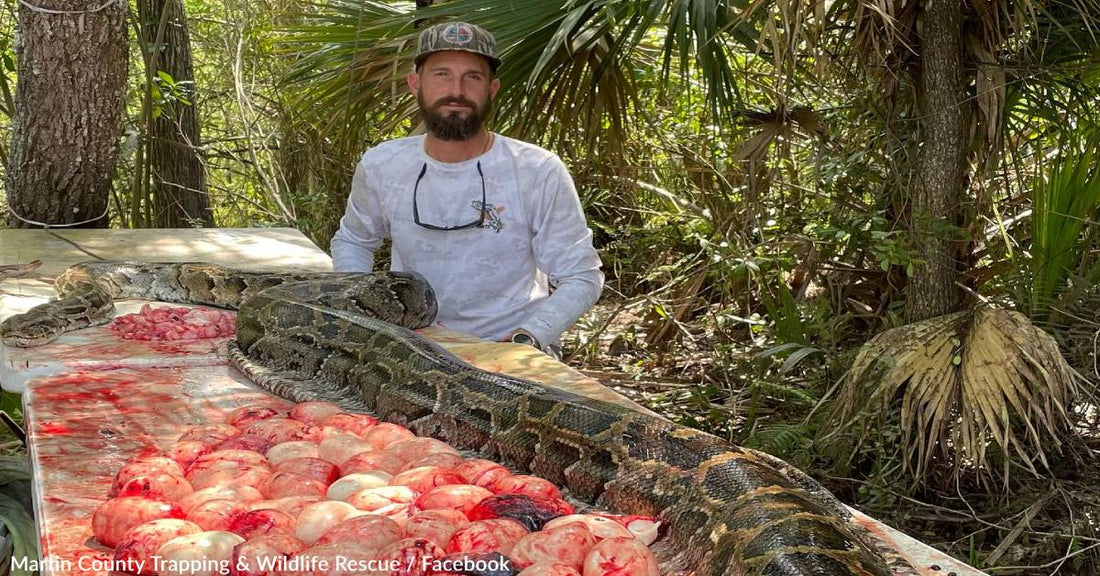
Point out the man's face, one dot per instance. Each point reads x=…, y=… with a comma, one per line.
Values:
x=455, y=91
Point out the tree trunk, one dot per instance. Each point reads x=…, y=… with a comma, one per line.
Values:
x=68, y=110
x=177, y=170
x=941, y=165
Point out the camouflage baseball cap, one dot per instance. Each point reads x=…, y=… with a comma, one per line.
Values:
x=457, y=36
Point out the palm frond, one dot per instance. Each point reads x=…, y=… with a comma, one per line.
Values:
x=1046, y=74
x=569, y=65
x=1065, y=198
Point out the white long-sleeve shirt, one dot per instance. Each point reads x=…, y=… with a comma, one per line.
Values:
x=488, y=280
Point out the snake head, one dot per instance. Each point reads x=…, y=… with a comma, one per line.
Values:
x=416, y=294
x=29, y=330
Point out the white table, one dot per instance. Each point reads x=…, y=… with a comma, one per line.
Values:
x=93, y=401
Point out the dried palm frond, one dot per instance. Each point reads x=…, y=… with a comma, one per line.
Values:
x=960, y=384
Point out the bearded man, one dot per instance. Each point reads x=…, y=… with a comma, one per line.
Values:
x=492, y=222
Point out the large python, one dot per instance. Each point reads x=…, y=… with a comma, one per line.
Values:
x=348, y=339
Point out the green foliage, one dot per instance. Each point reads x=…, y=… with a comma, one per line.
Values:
x=570, y=66
x=15, y=509
x=1065, y=199
x=787, y=317
x=12, y=403
x=795, y=353
x=169, y=94
x=783, y=440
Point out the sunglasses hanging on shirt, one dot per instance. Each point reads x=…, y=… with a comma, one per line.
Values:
x=476, y=223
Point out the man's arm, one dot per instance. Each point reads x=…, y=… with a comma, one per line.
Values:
x=562, y=244
x=362, y=228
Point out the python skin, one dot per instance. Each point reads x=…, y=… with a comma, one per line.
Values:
x=348, y=339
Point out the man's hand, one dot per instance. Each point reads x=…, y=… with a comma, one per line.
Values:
x=521, y=336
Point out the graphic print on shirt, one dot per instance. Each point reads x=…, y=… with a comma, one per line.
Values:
x=493, y=220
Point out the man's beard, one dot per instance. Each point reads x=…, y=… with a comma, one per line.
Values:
x=453, y=126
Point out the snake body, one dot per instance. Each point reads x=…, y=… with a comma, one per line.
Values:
x=348, y=339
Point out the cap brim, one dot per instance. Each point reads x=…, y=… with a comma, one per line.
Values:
x=494, y=62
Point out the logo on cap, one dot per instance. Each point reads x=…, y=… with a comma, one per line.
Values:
x=458, y=34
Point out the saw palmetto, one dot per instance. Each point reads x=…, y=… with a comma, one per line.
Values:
x=961, y=385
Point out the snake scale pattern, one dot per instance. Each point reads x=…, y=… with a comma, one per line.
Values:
x=348, y=339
